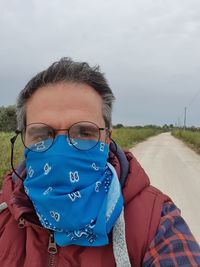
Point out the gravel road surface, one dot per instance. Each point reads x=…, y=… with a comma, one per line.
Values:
x=175, y=170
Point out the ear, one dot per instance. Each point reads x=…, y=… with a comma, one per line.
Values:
x=109, y=136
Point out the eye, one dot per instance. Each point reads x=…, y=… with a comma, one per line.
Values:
x=36, y=133
x=38, y=137
x=86, y=133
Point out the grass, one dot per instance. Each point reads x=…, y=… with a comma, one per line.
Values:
x=126, y=137
x=5, y=153
x=191, y=138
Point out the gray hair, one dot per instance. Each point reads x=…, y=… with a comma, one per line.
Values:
x=66, y=70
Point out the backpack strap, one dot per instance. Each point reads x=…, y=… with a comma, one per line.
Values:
x=124, y=164
x=118, y=233
x=119, y=243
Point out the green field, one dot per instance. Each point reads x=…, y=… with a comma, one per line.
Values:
x=5, y=152
x=191, y=138
x=126, y=137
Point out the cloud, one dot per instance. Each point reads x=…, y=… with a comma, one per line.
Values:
x=148, y=49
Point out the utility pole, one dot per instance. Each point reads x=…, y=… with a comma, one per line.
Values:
x=185, y=115
x=179, y=122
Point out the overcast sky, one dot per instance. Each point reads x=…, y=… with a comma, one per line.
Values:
x=148, y=49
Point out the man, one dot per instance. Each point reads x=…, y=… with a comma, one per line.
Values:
x=77, y=200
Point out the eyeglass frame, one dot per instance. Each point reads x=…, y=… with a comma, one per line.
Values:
x=17, y=132
x=67, y=130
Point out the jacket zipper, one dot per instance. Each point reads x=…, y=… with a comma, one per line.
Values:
x=52, y=248
x=21, y=223
x=51, y=260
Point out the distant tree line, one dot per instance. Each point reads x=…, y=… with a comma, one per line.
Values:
x=165, y=127
x=8, y=121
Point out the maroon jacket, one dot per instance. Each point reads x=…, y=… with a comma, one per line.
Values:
x=25, y=243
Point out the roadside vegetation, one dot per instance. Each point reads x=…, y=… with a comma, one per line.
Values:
x=5, y=146
x=127, y=137
x=191, y=136
x=8, y=121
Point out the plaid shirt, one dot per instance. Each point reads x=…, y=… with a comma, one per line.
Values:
x=174, y=244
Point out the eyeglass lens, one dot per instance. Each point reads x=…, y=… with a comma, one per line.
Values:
x=39, y=137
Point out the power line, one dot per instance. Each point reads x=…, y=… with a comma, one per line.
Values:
x=184, y=114
x=191, y=102
x=194, y=98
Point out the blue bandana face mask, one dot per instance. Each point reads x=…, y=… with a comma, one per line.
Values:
x=75, y=193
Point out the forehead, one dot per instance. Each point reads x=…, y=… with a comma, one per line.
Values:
x=64, y=104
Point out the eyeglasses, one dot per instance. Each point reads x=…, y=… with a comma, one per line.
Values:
x=39, y=137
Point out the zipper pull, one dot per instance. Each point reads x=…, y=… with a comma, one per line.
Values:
x=52, y=248
x=21, y=223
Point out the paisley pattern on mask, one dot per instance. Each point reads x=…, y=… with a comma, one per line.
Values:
x=75, y=193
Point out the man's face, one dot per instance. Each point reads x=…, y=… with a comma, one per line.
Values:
x=63, y=104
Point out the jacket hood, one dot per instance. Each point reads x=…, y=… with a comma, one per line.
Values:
x=20, y=205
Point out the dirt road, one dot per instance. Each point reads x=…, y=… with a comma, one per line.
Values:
x=174, y=169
